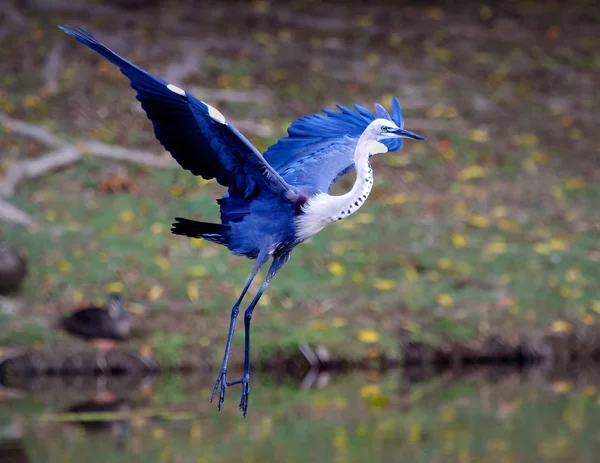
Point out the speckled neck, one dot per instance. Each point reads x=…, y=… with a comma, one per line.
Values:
x=323, y=209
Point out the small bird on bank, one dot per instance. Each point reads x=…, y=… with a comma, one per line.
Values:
x=13, y=269
x=273, y=201
x=102, y=326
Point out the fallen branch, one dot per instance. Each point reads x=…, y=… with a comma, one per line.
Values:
x=104, y=150
x=32, y=168
x=181, y=69
x=32, y=131
x=10, y=213
x=231, y=96
x=52, y=67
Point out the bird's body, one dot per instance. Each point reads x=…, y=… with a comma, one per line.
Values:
x=111, y=323
x=273, y=201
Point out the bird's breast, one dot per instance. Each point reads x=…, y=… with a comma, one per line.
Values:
x=322, y=209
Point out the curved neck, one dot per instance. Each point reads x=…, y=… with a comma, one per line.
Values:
x=323, y=208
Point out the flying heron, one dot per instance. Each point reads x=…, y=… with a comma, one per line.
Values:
x=273, y=201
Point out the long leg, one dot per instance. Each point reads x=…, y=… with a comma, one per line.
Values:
x=222, y=378
x=278, y=262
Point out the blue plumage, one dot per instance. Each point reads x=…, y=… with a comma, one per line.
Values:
x=273, y=202
x=319, y=149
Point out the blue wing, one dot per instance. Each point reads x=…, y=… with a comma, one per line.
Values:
x=196, y=134
x=319, y=149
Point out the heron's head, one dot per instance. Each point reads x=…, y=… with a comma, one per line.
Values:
x=384, y=129
x=116, y=309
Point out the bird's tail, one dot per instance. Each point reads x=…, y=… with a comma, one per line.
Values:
x=214, y=232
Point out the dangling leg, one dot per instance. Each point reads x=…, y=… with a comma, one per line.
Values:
x=222, y=378
x=278, y=262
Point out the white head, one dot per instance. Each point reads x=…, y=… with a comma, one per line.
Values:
x=381, y=129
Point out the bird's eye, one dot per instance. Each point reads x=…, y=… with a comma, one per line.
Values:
x=384, y=128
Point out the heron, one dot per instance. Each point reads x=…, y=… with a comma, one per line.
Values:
x=274, y=201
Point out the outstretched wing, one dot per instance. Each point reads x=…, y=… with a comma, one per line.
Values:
x=197, y=135
x=319, y=149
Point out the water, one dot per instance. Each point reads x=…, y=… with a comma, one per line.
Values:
x=468, y=416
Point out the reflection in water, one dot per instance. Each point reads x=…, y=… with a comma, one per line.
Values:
x=13, y=451
x=480, y=414
x=103, y=405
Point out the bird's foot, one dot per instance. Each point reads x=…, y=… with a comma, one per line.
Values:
x=222, y=381
x=245, y=382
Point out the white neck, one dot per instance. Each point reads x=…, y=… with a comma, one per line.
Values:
x=322, y=209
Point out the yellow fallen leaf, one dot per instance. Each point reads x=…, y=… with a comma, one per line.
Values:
x=479, y=221
x=197, y=271
x=458, y=241
x=368, y=336
x=444, y=263
x=358, y=278
x=471, y=172
x=198, y=243
x=557, y=244
x=508, y=225
x=261, y=6
x=588, y=318
x=319, y=325
x=364, y=20
x=77, y=296
x=115, y=287
x=412, y=275
x=574, y=183
x=542, y=248
x=496, y=247
x=562, y=387
x=163, y=262
x=384, y=285
x=339, y=322
x=192, y=292
x=65, y=266
x=155, y=292
x=364, y=218
x=336, y=268
x=50, y=215
x=561, y=326
x=369, y=390
x=445, y=300
x=589, y=391
x=126, y=216
x=478, y=135
x=157, y=228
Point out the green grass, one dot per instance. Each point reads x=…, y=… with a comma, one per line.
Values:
x=490, y=226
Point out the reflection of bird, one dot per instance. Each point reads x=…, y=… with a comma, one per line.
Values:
x=102, y=326
x=13, y=269
x=104, y=403
x=275, y=202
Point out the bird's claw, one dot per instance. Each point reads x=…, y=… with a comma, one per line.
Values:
x=222, y=380
x=245, y=394
x=245, y=382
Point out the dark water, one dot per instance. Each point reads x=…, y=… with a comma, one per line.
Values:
x=480, y=415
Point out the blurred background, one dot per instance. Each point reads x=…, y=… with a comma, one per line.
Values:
x=479, y=245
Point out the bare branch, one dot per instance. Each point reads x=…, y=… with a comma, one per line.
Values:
x=103, y=150
x=32, y=131
x=31, y=168
x=52, y=67
x=181, y=69
x=231, y=96
x=10, y=213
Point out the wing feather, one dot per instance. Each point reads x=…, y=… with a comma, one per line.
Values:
x=319, y=149
x=197, y=135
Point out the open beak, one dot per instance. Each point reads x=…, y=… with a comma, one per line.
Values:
x=407, y=134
